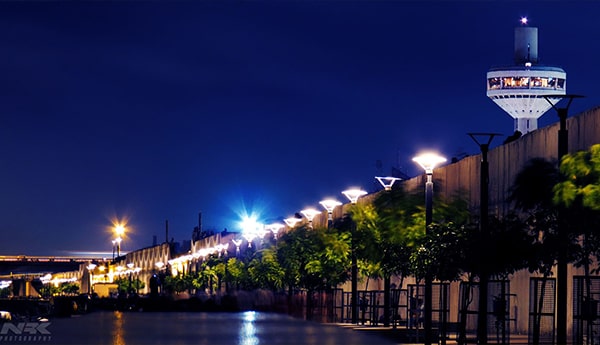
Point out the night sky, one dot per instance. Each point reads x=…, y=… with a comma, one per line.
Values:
x=154, y=111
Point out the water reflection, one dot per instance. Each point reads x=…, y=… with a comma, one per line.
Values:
x=247, y=334
x=197, y=328
x=118, y=332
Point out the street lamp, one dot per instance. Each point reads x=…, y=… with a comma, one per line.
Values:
x=130, y=270
x=120, y=232
x=275, y=227
x=428, y=161
x=117, y=241
x=561, y=262
x=353, y=195
x=292, y=221
x=250, y=229
x=237, y=244
x=483, y=140
x=90, y=268
x=387, y=181
x=329, y=205
x=310, y=214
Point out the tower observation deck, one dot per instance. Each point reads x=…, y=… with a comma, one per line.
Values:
x=521, y=90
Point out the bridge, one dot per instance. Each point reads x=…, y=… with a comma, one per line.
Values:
x=14, y=266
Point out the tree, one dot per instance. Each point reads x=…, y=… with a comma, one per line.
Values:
x=179, y=283
x=578, y=193
x=205, y=278
x=533, y=195
x=265, y=271
x=69, y=288
x=237, y=273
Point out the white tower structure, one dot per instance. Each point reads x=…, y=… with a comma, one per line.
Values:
x=521, y=90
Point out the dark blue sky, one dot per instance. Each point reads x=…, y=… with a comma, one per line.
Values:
x=159, y=110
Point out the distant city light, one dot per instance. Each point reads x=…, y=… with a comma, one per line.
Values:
x=524, y=20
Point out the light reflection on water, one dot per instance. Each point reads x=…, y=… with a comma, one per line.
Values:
x=198, y=328
x=118, y=329
x=248, y=331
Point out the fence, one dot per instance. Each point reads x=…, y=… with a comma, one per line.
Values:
x=586, y=324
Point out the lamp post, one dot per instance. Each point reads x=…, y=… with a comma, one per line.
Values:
x=428, y=161
x=275, y=227
x=120, y=232
x=329, y=205
x=114, y=246
x=237, y=244
x=159, y=277
x=561, y=263
x=292, y=221
x=310, y=214
x=118, y=245
x=90, y=268
x=387, y=182
x=484, y=146
x=353, y=195
x=250, y=229
x=130, y=266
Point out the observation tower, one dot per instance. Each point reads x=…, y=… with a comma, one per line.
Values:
x=521, y=90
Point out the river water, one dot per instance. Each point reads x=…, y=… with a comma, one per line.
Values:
x=173, y=328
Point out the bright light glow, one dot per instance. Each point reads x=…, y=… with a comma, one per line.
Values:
x=523, y=20
x=119, y=230
x=330, y=204
x=251, y=229
x=249, y=224
x=102, y=268
x=292, y=221
x=387, y=181
x=130, y=265
x=159, y=264
x=249, y=236
x=275, y=227
x=237, y=243
x=91, y=266
x=310, y=213
x=354, y=194
x=428, y=161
